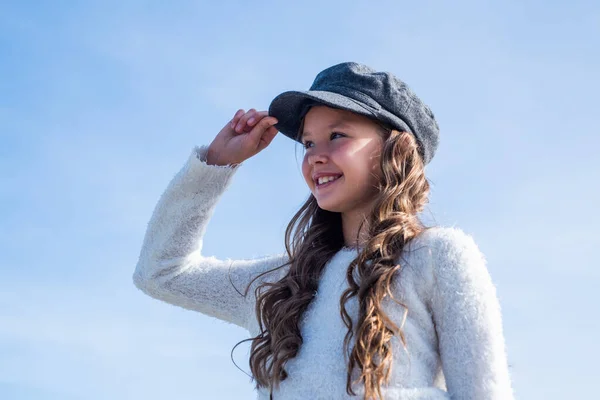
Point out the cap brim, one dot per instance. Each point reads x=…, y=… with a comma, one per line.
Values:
x=288, y=107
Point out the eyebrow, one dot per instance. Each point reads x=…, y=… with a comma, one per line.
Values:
x=336, y=124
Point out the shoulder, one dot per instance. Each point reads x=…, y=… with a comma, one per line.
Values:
x=448, y=252
x=446, y=238
x=448, y=243
x=459, y=269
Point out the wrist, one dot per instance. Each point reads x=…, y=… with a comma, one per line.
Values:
x=212, y=157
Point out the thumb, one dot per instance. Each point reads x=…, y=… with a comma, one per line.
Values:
x=261, y=127
x=267, y=138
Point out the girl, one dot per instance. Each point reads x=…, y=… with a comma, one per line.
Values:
x=366, y=301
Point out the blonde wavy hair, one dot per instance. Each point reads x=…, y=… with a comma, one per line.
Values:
x=312, y=237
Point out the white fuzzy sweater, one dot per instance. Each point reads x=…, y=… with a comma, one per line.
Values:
x=455, y=343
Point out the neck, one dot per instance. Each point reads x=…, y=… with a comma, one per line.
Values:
x=350, y=226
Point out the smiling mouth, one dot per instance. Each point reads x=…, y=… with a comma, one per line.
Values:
x=328, y=183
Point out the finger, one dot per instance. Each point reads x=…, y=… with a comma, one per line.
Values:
x=236, y=117
x=241, y=125
x=257, y=117
x=262, y=126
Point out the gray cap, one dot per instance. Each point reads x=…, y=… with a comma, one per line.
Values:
x=360, y=89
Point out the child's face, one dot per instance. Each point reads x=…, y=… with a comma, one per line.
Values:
x=341, y=143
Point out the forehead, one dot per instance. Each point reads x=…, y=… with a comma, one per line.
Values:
x=321, y=118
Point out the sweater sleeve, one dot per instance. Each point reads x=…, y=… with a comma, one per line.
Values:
x=468, y=321
x=171, y=266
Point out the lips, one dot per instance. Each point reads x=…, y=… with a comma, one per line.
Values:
x=327, y=184
x=316, y=177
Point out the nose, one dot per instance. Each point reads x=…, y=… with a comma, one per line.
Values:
x=317, y=157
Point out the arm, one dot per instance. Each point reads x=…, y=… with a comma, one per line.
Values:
x=171, y=267
x=468, y=321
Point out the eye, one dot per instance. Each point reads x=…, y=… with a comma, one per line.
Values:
x=308, y=143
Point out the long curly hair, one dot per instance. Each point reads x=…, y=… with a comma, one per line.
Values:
x=312, y=237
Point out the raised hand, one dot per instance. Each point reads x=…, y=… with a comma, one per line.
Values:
x=247, y=134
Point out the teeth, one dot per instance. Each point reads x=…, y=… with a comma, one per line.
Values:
x=325, y=179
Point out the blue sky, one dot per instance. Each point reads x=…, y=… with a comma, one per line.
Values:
x=101, y=103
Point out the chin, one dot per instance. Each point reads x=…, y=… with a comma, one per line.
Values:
x=330, y=209
x=330, y=206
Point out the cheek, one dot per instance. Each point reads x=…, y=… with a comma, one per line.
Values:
x=306, y=172
x=364, y=167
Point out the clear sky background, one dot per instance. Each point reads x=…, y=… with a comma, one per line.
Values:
x=102, y=101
